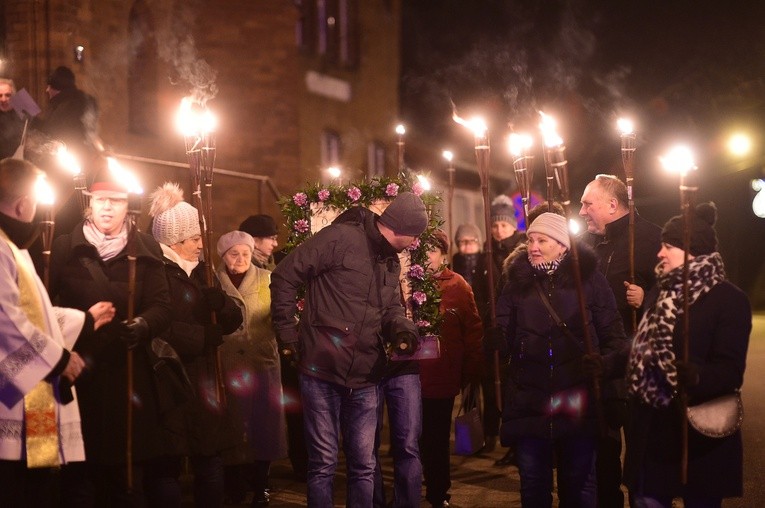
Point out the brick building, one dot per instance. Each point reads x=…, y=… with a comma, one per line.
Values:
x=296, y=85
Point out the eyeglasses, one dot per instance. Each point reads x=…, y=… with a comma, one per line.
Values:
x=467, y=241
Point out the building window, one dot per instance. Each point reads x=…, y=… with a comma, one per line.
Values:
x=375, y=159
x=329, y=28
x=142, y=70
x=330, y=148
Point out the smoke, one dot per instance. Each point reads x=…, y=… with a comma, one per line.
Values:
x=176, y=46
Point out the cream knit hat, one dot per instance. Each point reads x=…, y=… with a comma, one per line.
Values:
x=174, y=219
x=552, y=225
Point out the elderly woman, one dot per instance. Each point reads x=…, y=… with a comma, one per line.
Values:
x=91, y=265
x=549, y=409
x=251, y=372
x=720, y=320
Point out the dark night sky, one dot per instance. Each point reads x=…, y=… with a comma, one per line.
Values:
x=685, y=71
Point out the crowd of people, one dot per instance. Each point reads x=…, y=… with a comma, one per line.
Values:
x=138, y=357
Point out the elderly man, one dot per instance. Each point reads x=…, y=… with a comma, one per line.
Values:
x=11, y=126
x=605, y=208
x=352, y=307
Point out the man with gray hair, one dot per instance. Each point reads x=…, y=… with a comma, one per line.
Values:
x=11, y=126
x=605, y=208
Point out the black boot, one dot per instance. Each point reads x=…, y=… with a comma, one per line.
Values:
x=507, y=460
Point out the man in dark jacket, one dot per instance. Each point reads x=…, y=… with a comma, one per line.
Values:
x=11, y=126
x=605, y=208
x=350, y=270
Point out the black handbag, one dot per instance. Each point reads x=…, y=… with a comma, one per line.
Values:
x=468, y=428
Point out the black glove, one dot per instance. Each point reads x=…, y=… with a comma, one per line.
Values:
x=133, y=332
x=215, y=298
x=213, y=336
x=405, y=343
x=687, y=373
x=592, y=365
x=290, y=352
x=494, y=339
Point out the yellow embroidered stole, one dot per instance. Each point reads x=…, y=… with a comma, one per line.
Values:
x=40, y=403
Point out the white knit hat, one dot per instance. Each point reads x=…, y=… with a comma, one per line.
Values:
x=552, y=225
x=174, y=219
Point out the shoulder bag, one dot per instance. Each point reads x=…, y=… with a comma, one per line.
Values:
x=719, y=417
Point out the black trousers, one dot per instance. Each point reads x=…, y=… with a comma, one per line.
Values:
x=608, y=466
x=434, y=448
x=28, y=488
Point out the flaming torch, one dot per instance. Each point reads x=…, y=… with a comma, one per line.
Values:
x=45, y=199
x=556, y=163
x=400, y=131
x=482, y=156
x=198, y=129
x=679, y=160
x=523, y=166
x=449, y=157
x=70, y=163
x=627, y=134
x=554, y=154
x=135, y=192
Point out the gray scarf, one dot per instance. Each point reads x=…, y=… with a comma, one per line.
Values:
x=107, y=246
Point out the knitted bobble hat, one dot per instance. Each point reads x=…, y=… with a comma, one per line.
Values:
x=502, y=210
x=174, y=219
x=703, y=236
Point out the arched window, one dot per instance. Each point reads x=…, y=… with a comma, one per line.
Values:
x=142, y=70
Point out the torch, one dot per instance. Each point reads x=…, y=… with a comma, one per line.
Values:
x=551, y=156
x=482, y=155
x=555, y=159
x=199, y=140
x=134, y=211
x=45, y=199
x=400, y=131
x=627, y=134
x=523, y=166
x=449, y=156
x=69, y=162
x=680, y=160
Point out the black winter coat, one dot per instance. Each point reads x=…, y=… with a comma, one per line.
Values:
x=547, y=393
x=720, y=324
x=102, y=390
x=194, y=339
x=612, y=250
x=352, y=304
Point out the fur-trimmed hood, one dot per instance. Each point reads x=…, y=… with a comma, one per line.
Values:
x=518, y=272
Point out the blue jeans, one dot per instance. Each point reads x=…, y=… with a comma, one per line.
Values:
x=577, y=485
x=404, y=398
x=645, y=501
x=330, y=409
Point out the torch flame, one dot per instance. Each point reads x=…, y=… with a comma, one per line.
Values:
x=424, y=182
x=123, y=175
x=625, y=126
x=475, y=124
x=400, y=129
x=679, y=160
x=68, y=160
x=519, y=144
x=44, y=192
x=191, y=122
x=548, y=126
x=449, y=156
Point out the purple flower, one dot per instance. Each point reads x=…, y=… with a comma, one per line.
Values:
x=300, y=199
x=419, y=297
x=354, y=193
x=323, y=195
x=300, y=304
x=417, y=272
x=391, y=190
x=417, y=189
x=422, y=323
x=301, y=226
x=414, y=245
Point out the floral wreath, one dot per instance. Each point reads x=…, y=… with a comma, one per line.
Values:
x=425, y=296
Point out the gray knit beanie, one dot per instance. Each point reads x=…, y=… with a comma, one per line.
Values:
x=174, y=219
x=502, y=210
x=467, y=231
x=552, y=225
x=406, y=215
